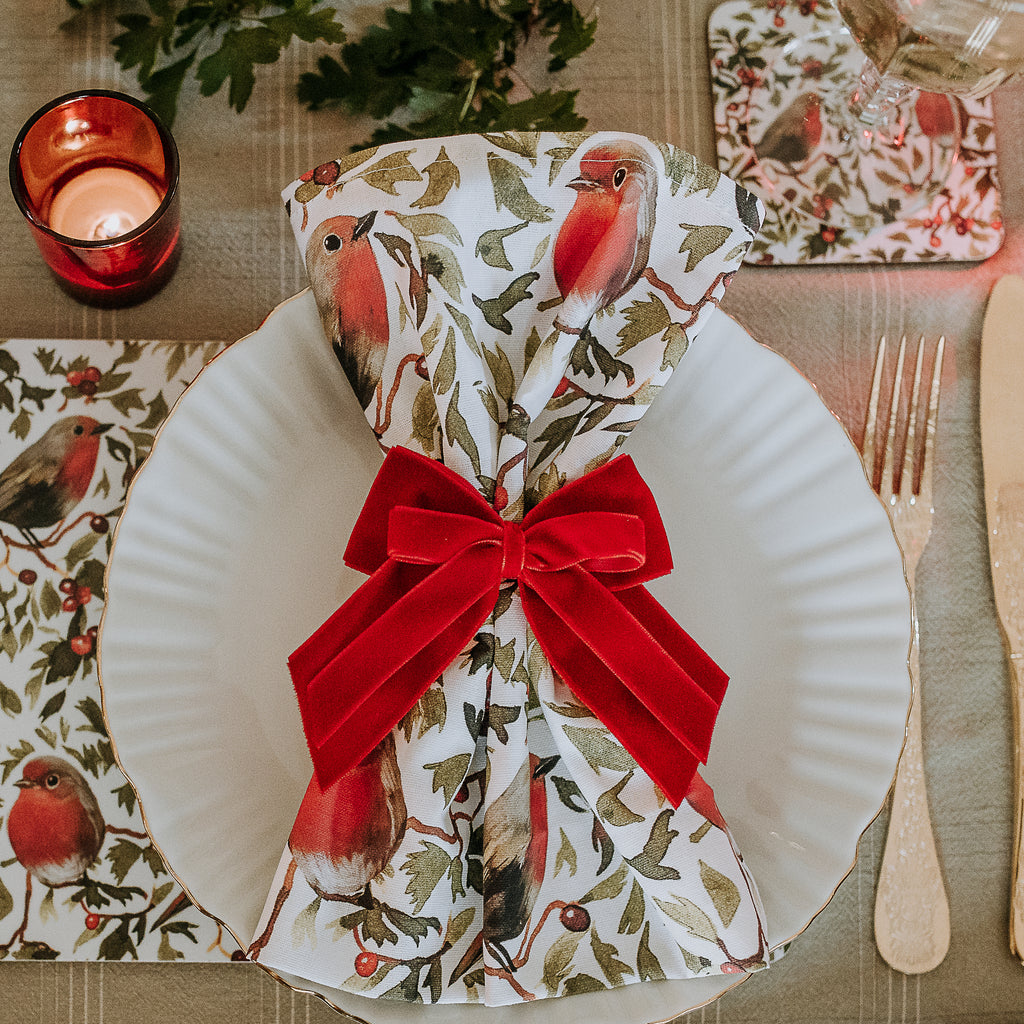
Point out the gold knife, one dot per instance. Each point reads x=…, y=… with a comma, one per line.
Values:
x=1002, y=447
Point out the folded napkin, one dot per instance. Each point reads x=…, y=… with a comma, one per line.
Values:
x=504, y=725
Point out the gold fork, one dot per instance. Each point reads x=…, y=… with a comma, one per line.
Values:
x=911, y=905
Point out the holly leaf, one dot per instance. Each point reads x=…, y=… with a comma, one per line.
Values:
x=449, y=773
x=425, y=868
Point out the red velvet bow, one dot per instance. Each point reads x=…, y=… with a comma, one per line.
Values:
x=437, y=553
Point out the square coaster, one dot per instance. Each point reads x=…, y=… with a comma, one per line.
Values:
x=750, y=40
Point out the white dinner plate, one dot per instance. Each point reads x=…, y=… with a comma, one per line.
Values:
x=228, y=555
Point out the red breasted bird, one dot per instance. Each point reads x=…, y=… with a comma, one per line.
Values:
x=343, y=270
x=55, y=827
x=791, y=137
x=344, y=836
x=515, y=855
x=605, y=241
x=51, y=476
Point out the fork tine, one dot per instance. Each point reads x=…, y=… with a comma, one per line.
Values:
x=910, y=448
x=888, y=487
x=927, y=458
x=869, y=447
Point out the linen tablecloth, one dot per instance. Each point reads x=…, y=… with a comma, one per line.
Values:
x=648, y=72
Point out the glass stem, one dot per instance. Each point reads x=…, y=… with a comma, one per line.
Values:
x=876, y=97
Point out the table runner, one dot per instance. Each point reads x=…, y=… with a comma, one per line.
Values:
x=77, y=419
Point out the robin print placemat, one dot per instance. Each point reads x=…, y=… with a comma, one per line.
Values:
x=765, y=51
x=80, y=879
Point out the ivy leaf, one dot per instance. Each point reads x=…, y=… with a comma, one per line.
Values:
x=442, y=177
x=648, y=861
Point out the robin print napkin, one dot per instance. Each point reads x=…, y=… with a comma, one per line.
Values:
x=508, y=306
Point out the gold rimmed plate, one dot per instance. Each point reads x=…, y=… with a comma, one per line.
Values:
x=228, y=555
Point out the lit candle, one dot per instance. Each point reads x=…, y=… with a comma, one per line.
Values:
x=103, y=203
x=96, y=175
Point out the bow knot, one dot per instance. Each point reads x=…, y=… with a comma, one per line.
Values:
x=513, y=549
x=437, y=554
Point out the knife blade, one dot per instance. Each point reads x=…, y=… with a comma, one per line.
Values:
x=1002, y=448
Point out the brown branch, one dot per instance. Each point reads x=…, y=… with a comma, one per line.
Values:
x=282, y=894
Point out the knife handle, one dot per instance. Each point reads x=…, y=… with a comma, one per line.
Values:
x=911, y=906
x=1017, y=884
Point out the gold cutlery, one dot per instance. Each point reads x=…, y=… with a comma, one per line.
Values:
x=911, y=905
x=1002, y=448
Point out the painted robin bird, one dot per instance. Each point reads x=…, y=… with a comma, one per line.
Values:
x=55, y=826
x=51, y=476
x=604, y=243
x=347, y=281
x=793, y=134
x=514, y=862
x=344, y=836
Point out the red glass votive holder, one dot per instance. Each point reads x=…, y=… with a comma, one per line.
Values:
x=96, y=175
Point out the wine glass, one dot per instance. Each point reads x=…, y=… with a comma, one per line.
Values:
x=858, y=125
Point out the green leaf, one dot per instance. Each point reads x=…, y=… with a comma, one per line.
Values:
x=6, y=900
x=442, y=177
x=558, y=959
x=690, y=916
x=612, y=809
x=10, y=702
x=633, y=912
x=611, y=966
x=448, y=774
x=490, y=246
x=425, y=868
x=648, y=861
x=123, y=856
x=494, y=310
x=702, y=240
x=457, y=431
x=608, y=888
x=648, y=967
x=566, y=855
x=444, y=373
x=724, y=893
x=600, y=749
x=511, y=193
x=644, y=319
x=389, y=170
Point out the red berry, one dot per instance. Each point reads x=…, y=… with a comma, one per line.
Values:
x=779, y=21
x=828, y=235
x=731, y=969
x=83, y=595
x=92, y=921
x=87, y=388
x=575, y=918
x=935, y=242
x=93, y=631
x=99, y=524
x=500, y=498
x=92, y=373
x=462, y=796
x=81, y=645
x=27, y=576
x=238, y=954
x=74, y=378
x=366, y=963
x=67, y=585
x=69, y=604
x=326, y=174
